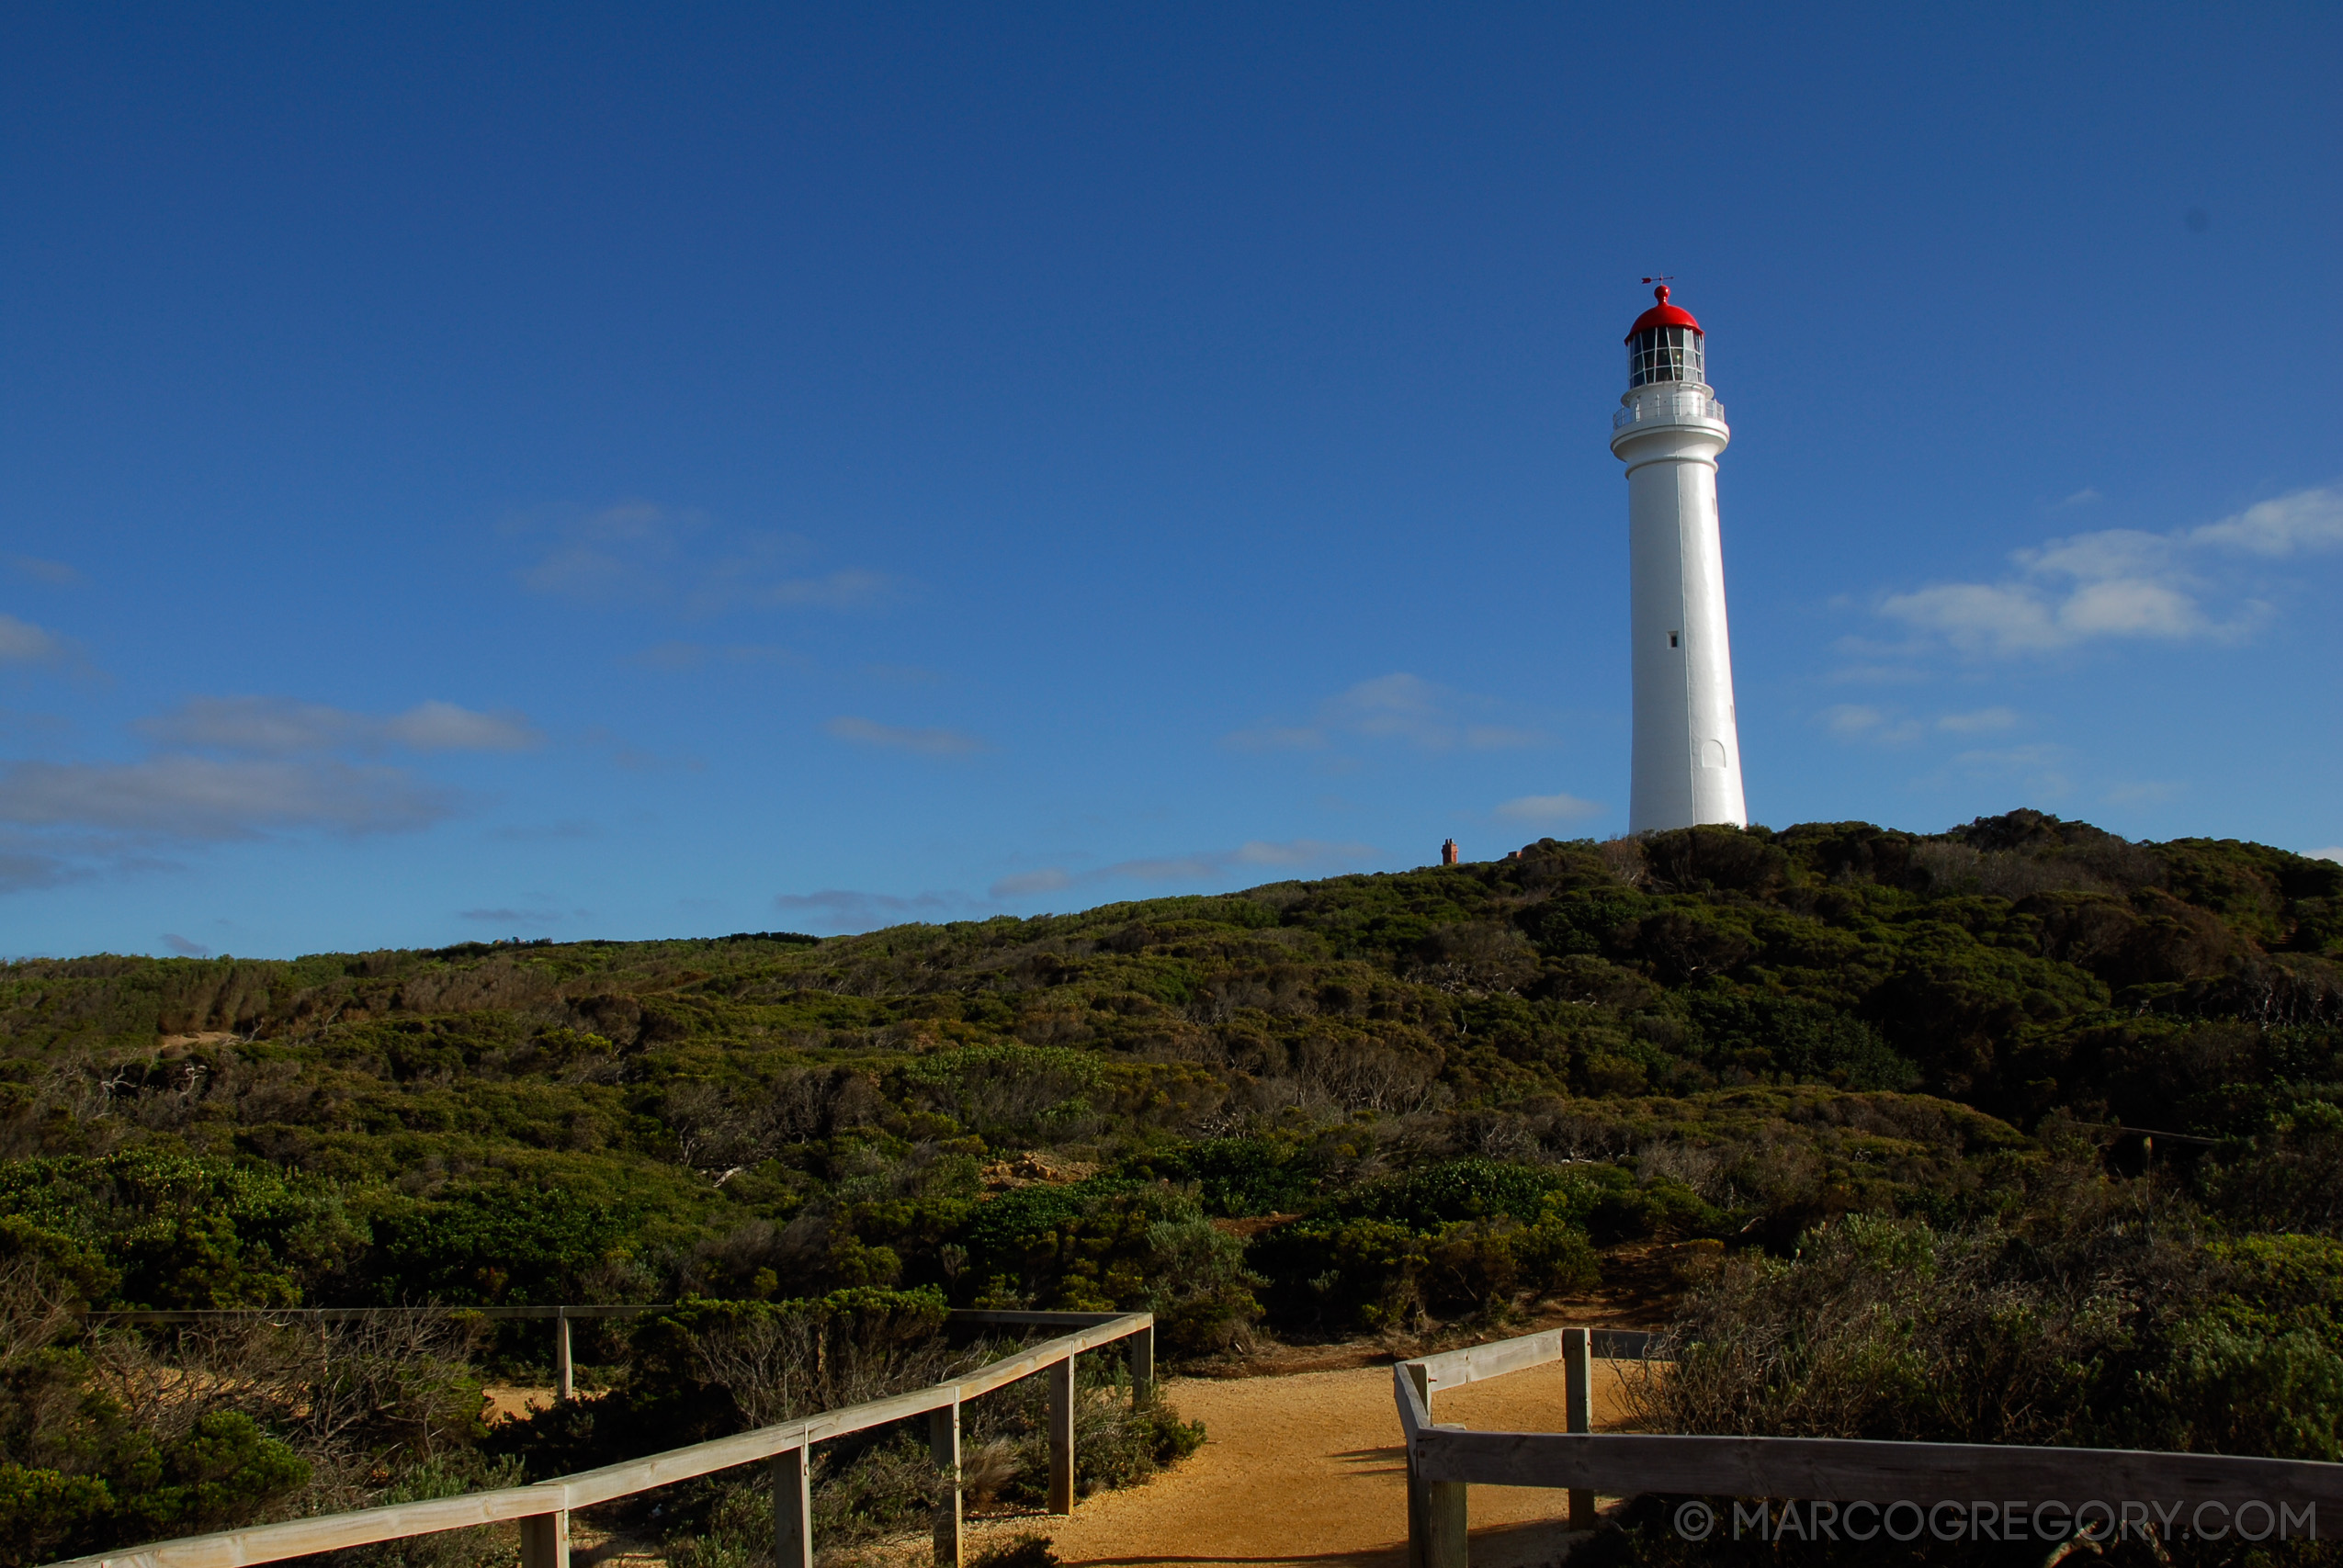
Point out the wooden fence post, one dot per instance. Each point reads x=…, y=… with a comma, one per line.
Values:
x=544, y=1541
x=1061, y=1436
x=564, y=1381
x=1143, y=1367
x=944, y=1448
x=793, y=1509
x=1418, y=1517
x=1577, y=1388
x=1445, y=1542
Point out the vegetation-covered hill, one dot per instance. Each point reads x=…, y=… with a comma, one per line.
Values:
x=1878, y=1081
x=766, y=1113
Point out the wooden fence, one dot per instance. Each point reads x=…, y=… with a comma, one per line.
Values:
x=1443, y=1460
x=543, y=1510
x=564, y=1373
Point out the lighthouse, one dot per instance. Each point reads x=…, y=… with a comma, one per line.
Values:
x=1668, y=430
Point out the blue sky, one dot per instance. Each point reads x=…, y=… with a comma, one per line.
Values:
x=475, y=472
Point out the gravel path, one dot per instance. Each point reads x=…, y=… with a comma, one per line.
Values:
x=1307, y=1469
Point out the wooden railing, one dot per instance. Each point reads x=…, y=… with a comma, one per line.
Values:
x=564, y=1373
x=543, y=1510
x=1443, y=1460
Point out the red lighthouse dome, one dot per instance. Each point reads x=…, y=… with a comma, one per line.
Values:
x=1666, y=344
x=1663, y=315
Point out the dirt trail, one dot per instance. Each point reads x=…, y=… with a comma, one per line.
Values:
x=1304, y=1469
x=1307, y=1469
x=512, y=1401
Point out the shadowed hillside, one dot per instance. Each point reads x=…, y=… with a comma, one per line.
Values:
x=1833, y=1087
x=767, y=1112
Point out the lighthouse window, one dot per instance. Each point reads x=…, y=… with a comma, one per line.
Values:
x=1665, y=353
x=1672, y=639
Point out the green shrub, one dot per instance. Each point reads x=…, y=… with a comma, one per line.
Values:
x=184, y=1231
x=1456, y=1190
x=712, y=1368
x=225, y=1471
x=1200, y=1290
x=501, y=1243
x=1234, y=1175
x=1377, y=1274
x=2231, y=1391
x=1009, y=1091
x=1796, y=1036
x=43, y=1512
x=1109, y=1243
x=445, y=1474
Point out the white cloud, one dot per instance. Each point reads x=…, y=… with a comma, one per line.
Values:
x=236, y=768
x=443, y=727
x=2332, y=852
x=1298, y=852
x=1399, y=706
x=2130, y=607
x=1024, y=885
x=1550, y=810
x=2123, y=583
x=1977, y=723
x=2041, y=768
x=55, y=573
x=276, y=727
x=569, y=829
x=2040, y=755
x=1885, y=727
x=266, y=726
x=847, y=909
x=1861, y=721
x=1275, y=738
x=178, y=796
x=926, y=742
x=671, y=658
x=674, y=657
x=2306, y=520
x=674, y=559
x=1294, y=853
x=613, y=553
x=1978, y=619
x=21, y=642
x=836, y=591
x=1202, y=866
x=21, y=871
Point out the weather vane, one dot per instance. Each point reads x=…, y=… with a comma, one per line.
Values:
x=1668, y=278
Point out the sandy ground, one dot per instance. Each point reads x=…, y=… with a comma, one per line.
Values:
x=1307, y=1469
x=502, y=1401
x=1303, y=1468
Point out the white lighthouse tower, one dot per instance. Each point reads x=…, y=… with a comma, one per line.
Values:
x=1668, y=430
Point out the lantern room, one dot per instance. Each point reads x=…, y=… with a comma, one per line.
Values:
x=1665, y=344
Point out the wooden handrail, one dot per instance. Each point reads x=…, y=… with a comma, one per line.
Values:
x=1442, y=1459
x=1847, y=1470
x=354, y=1314
x=638, y=1309
x=1454, y=1368
x=548, y=1546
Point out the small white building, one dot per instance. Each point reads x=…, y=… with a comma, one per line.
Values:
x=1668, y=429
